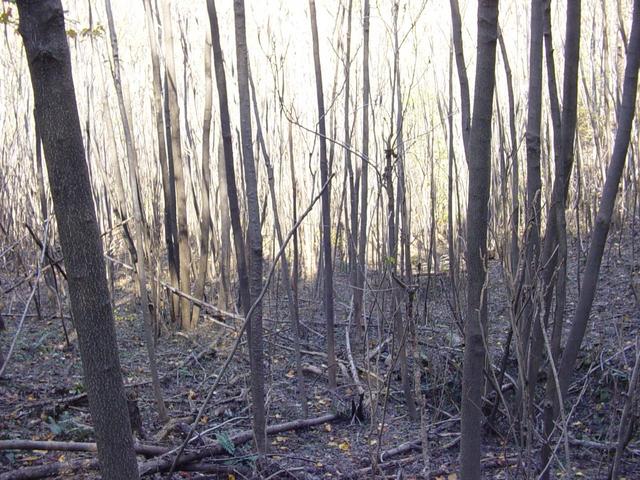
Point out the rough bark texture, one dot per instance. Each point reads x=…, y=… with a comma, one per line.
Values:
x=477, y=214
x=43, y=31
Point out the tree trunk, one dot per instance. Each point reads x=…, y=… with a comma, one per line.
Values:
x=465, y=103
x=141, y=270
x=514, y=252
x=286, y=275
x=176, y=159
x=254, y=236
x=477, y=214
x=326, y=206
x=205, y=214
x=531, y=316
x=607, y=203
x=43, y=31
x=170, y=226
x=358, y=300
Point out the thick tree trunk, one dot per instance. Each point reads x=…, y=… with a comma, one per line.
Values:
x=43, y=31
x=564, y=163
x=477, y=215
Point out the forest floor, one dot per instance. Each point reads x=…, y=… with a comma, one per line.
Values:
x=41, y=392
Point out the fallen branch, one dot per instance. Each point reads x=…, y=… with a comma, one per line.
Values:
x=352, y=363
x=150, y=466
x=248, y=316
x=201, y=303
x=160, y=465
x=20, y=444
x=450, y=472
x=413, y=445
x=372, y=377
x=606, y=446
x=62, y=469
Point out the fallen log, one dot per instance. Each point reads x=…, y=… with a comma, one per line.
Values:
x=63, y=469
x=156, y=465
x=163, y=464
x=20, y=444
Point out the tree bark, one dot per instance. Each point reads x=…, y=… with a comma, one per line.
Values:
x=477, y=215
x=531, y=316
x=43, y=31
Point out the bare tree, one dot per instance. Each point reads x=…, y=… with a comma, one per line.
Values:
x=477, y=214
x=168, y=190
x=534, y=185
x=205, y=214
x=465, y=102
x=603, y=218
x=42, y=28
x=326, y=205
x=358, y=299
x=176, y=158
x=254, y=237
x=141, y=269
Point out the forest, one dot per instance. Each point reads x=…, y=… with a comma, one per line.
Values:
x=319, y=239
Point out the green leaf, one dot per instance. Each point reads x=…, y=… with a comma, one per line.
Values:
x=225, y=442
